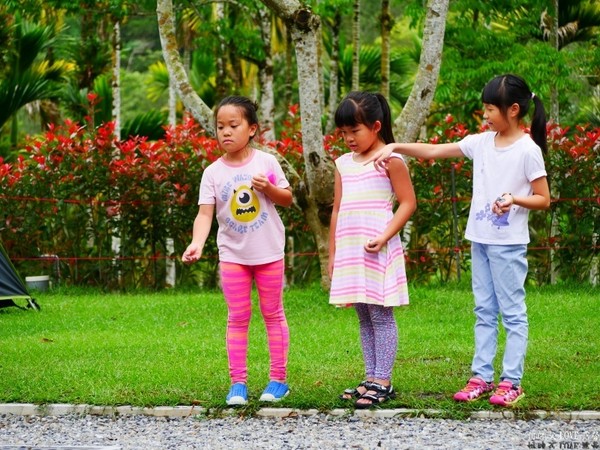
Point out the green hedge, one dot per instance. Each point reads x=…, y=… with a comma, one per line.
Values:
x=72, y=190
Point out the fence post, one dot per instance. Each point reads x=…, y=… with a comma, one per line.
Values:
x=291, y=262
x=171, y=275
x=594, y=272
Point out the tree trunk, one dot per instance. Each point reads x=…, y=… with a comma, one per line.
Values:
x=267, y=96
x=386, y=28
x=319, y=168
x=554, y=112
x=407, y=125
x=172, y=102
x=171, y=269
x=116, y=78
x=289, y=72
x=166, y=27
x=116, y=115
x=356, y=46
x=220, y=57
x=333, y=71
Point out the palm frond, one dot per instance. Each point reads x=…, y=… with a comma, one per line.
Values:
x=16, y=93
x=158, y=82
x=30, y=41
x=149, y=124
x=27, y=77
x=579, y=21
x=402, y=69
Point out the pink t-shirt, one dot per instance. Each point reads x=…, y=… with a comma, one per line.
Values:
x=250, y=229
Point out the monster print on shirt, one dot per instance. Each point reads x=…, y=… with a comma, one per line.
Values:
x=244, y=204
x=245, y=207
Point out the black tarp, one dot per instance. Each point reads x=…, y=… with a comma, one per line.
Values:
x=11, y=285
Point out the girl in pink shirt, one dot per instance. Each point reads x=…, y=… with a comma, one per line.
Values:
x=243, y=187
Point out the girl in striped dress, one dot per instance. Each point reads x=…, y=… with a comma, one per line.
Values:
x=366, y=260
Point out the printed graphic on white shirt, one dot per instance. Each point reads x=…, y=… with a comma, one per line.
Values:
x=494, y=219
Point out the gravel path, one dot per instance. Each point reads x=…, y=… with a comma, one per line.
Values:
x=320, y=431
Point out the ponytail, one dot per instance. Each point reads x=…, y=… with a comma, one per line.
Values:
x=538, y=124
x=386, y=133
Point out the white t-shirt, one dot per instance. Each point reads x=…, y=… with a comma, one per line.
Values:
x=498, y=170
x=250, y=229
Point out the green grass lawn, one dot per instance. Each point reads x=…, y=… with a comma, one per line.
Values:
x=168, y=348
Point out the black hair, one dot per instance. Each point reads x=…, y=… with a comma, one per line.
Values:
x=506, y=90
x=247, y=106
x=366, y=108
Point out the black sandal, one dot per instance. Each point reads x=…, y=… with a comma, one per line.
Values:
x=354, y=393
x=381, y=394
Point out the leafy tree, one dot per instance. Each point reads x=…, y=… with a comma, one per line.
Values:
x=485, y=39
x=571, y=22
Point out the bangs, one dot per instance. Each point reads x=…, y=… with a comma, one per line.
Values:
x=348, y=114
x=494, y=93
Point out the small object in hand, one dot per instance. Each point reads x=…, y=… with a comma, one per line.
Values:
x=500, y=200
x=271, y=177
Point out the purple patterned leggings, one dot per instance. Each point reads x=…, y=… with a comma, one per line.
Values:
x=379, y=339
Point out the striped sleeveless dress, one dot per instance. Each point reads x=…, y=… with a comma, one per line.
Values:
x=365, y=210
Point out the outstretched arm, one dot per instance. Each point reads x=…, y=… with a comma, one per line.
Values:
x=418, y=150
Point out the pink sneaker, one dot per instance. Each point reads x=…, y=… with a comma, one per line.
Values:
x=474, y=389
x=507, y=394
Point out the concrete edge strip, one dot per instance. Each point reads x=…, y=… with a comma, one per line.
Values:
x=59, y=409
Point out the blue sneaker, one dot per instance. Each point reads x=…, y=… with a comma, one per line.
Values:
x=274, y=392
x=238, y=395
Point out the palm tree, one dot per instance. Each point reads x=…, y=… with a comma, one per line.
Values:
x=28, y=77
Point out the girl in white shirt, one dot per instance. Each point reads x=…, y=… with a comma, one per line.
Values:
x=509, y=179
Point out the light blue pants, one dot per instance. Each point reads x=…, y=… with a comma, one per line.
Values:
x=499, y=273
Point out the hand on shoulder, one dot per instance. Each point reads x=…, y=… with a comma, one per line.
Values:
x=380, y=157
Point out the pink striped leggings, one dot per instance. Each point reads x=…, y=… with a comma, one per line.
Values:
x=236, y=280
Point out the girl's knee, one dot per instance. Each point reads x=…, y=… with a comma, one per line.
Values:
x=274, y=316
x=239, y=319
